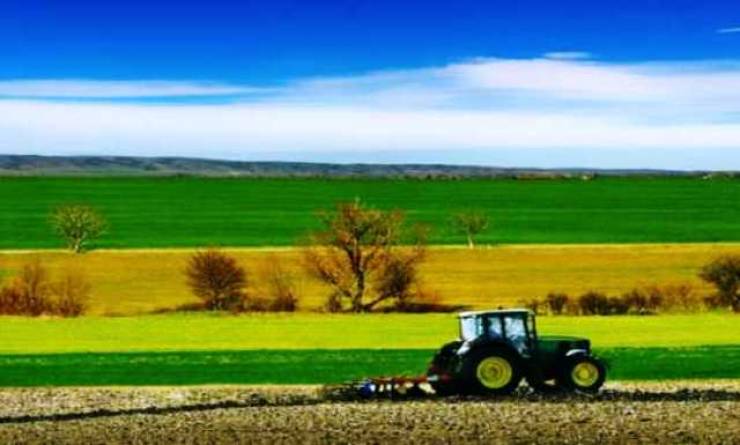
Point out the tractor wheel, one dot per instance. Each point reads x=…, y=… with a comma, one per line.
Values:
x=491, y=372
x=583, y=373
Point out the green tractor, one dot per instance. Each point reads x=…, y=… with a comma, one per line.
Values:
x=497, y=349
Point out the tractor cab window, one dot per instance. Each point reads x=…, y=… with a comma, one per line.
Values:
x=516, y=332
x=495, y=329
x=471, y=328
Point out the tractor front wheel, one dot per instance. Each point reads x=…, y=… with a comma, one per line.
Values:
x=491, y=372
x=583, y=373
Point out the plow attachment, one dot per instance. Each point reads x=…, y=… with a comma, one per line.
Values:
x=399, y=387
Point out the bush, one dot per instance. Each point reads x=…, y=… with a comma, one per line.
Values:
x=618, y=306
x=533, y=304
x=70, y=296
x=11, y=301
x=724, y=273
x=680, y=297
x=217, y=280
x=281, y=288
x=31, y=293
x=556, y=302
x=593, y=303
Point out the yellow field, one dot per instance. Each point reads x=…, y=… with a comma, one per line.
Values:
x=139, y=281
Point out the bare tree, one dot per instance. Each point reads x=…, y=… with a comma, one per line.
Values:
x=357, y=244
x=724, y=273
x=217, y=279
x=78, y=225
x=470, y=223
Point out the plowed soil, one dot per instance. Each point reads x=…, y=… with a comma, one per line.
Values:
x=680, y=412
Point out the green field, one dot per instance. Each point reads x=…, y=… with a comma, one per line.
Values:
x=311, y=348
x=320, y=366
x=167, y=212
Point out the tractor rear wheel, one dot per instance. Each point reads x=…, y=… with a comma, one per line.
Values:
x=583, y=373
x=491, y=372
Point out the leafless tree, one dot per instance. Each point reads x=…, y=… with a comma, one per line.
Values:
x=356, y=246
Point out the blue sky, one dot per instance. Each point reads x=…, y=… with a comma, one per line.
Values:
x=517, y=83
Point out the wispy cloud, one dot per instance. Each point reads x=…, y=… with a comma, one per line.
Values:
x=484, y=105
x=82, y=89
x=731, y=30
x=567, y=55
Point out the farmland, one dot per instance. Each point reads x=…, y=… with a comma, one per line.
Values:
x=305, y=348
x=136, y=281
x=569, y=236
x=178, y=212
x=680, y=412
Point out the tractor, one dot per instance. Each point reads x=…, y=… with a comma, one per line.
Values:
x=497, y=349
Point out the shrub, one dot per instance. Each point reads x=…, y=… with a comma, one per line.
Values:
x=724, y=273
x=32, y=287
x=281, y=288
x=618, y=306
x=556, y=302
x=533, y=304
x=593, y=303
x=10, y=301
x=32, y=293
x=681, y=297
x=70, y=296
x=217, y=280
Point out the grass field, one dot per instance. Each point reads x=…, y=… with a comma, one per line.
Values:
x=309, y=348
x=139, y=281
x=211, y=332
x=165, y=212
x=320, y=366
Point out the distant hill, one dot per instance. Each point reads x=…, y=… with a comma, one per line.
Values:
x=27, y=165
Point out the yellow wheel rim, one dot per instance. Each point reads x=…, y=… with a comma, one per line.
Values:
x=585, y=374
x=494, y=372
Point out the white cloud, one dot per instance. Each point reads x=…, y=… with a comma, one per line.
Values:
x=484, y=105
x=728, y=30
x=567, y=55
x=81, y=89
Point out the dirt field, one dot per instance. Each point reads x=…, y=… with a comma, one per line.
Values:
x=636, y=413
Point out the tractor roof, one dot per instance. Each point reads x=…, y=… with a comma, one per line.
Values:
x=494, y=312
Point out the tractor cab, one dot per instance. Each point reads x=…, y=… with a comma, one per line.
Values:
x=515, y=327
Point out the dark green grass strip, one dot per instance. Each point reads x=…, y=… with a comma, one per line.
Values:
x=321, y=366
x=168, y=212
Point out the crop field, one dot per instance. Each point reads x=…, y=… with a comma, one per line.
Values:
x=136, y=281
x=169, y=212
x=307, y=349
x=683, y=412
